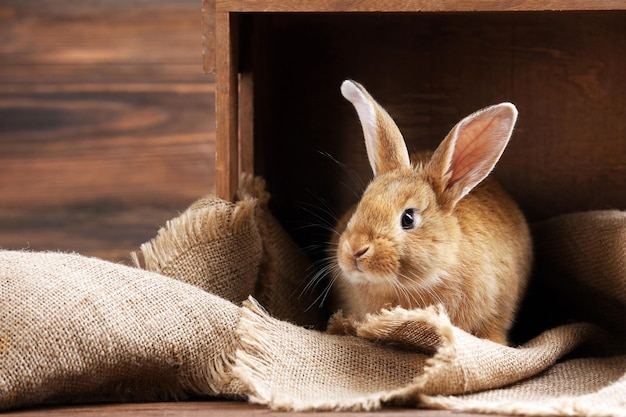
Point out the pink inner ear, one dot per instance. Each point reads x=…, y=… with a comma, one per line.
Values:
x=477, y=149
x=475, y=145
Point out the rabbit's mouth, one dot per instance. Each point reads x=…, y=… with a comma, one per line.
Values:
x=356, y=273
x=363, y=259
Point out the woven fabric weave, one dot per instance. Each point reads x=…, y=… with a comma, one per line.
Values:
x=80, y=329
x=215, y=309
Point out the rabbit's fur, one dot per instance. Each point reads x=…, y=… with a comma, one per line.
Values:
x=429, y=230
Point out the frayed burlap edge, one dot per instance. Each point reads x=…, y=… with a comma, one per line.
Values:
x=207, y=220
x=253, y=362
x=591, y=389
x=569, y=406
x=253, y=188
x=284, y=266
x=451, y=365
x=199, y=224
x=69, y=377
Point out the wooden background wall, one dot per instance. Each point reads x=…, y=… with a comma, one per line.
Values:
x=106, y=122
x=429, y=70
x=107, y=118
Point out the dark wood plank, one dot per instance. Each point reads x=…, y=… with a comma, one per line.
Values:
x=210, y=409
x=227, y=104
x=246, y=122
x=208, y=35
x=430, y=70
x=106, y=230
x=413, y=6
x=106, y=122
x=83, y=8
x=107, y=148
x=75, y=32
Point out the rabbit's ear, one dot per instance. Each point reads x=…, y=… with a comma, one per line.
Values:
x=470, y=151
x=385, y=145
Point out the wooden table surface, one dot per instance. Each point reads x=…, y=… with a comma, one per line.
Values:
x=209, y=409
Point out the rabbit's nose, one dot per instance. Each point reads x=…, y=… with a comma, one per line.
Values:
x=358, y=254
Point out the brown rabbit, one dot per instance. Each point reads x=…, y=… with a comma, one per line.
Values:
x=431, y=231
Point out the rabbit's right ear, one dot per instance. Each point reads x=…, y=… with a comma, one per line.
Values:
x=385, y=145
x=470, y=151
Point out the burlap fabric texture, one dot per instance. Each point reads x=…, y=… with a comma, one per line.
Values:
x=77, y=329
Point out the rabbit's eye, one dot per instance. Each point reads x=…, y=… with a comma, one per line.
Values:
x=409, y=219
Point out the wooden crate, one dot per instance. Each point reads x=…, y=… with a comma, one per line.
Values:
x=279, y=65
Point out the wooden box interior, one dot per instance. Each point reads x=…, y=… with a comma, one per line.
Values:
x=565, y=72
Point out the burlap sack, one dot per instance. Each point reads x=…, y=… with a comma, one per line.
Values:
x=235, y=250
x=214, y=245
x=79, y=329
x=416, y=357
x=74, y=328
x=582, y=256
x=285, y=270
x=106, y=330
x=431, y=363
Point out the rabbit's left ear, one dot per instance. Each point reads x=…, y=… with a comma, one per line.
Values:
x=470, y=151
x=385, y=145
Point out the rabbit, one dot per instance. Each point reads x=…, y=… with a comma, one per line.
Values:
x=430, y=228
